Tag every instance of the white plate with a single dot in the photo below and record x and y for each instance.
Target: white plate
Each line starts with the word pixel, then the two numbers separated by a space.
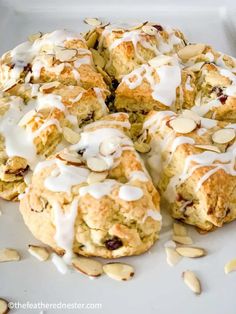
pixel 156 287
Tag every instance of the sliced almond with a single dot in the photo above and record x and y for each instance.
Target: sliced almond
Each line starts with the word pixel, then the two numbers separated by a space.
pixel 172 257
pixel 91 40
pixel 70 158
pixel 109 146
pixel 9 85
pixel 49 85
pixel 4 309
pixel 209 147
pixel 94 177
pixel 223 136
pixel 97 58
pixel 191 115
pixel 87 266
pixel 191 51
pixel 34 37
pixel 182 240
pixel 119 271
pixel 179 230
pixel 9 255
pixel 142 147
pixel 93 21
pixel 196 67
pixel 160 60
pixel 192 281
pixel 183 125
pixel 190 251
pixel 41 253
pixel 106 77
pixel 149 30
pixel 70 136
pixel 138 26
pixel 97 164
pixel 63 54
pixel 27 118
pixel 230 266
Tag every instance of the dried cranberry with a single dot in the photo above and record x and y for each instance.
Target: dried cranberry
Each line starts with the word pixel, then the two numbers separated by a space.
pixel 218 91
pixel 158 27
pixel 113 244
pixel 223 99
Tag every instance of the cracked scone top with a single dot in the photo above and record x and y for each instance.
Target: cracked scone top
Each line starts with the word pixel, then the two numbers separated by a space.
pixel 58 56
pixel 95 198
pixel 196 158
pixel 125 48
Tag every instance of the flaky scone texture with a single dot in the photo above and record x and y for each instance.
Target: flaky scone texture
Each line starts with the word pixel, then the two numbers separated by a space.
pixel 113 205
pixel 196 169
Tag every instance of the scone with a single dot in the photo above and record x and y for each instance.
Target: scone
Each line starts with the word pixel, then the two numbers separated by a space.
pixel 192 161
pixel 58 56
pixel 94 198
pixel 160 84
pixel 124 48
pixel 215 93
pixel 35 121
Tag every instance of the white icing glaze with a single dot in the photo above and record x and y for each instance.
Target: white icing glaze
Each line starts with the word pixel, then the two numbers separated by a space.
pixel 66 177
pixel 99 189
pixel 138 175
pixel 155 215
pixel 59 263
pixel 130 193
pixel 64 223
pixel 188 84
pixel 204 108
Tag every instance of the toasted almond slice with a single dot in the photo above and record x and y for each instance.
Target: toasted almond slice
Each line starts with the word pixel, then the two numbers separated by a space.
pixel 87 266
pixel 179 230
pixel 4 309
pixel 27 118
pixel 109 146
pixel 183 125
pixel 34 37
pixel 170 244
pixel 172 257
pixel 106 77
pixel 209 147
pixel 91 40
pixel 41 253
pixel 149 30
pixel 190 251
pixel 49 85
pixel 92 21
pixel 138 26
pixel 230 266
pixel 192 281
pixel 160 60
pixel 142 147
pixel 196 67
pixel 63 54
pixel 97 58
pixel 9 255
pixel 191 115
pixel 10 84
pixel 119 271
pixel 191 51
pixel 97 164
pixel 70 158
pixel 182 240
pixel 70 136
pixel 223 136
pixel 94 177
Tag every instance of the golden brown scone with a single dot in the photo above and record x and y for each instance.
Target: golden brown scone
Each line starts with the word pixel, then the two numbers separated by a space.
pixel 58 56
pixel 192 161
pixel 125 49
pixel 35 121
pixel 94 198
pixel 160 84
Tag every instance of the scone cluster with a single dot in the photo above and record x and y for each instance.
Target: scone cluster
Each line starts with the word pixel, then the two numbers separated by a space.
pixel 94 126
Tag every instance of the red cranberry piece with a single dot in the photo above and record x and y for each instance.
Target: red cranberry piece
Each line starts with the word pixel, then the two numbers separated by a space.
pixel 223 99
pixel 113 244
pixel 158 27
